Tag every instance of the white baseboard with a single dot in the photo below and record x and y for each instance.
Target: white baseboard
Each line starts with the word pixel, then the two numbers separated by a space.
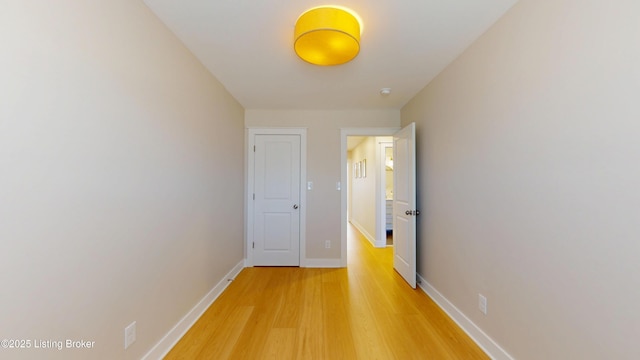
pixel 368 236
pixel 483 340
pixel 322 263
pixel 177 332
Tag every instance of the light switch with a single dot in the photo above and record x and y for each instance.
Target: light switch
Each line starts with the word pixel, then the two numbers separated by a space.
pixel 338 186
pixel 310 185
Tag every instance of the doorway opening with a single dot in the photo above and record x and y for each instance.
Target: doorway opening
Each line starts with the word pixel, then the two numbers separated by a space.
pixel 404 199
pixel 360 169
pixel 370 187
pixel 387 185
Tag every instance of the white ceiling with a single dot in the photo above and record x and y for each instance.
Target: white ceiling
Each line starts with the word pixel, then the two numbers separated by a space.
pixel 248 46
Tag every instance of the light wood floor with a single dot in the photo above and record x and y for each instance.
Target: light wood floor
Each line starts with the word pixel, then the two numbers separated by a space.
pixel 364 311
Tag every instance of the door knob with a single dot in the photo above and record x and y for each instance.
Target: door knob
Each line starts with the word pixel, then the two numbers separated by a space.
pixel 408 212
pixel 295 206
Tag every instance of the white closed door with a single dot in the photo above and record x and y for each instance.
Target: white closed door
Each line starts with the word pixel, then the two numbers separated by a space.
pixel 276 231
pixel 404 204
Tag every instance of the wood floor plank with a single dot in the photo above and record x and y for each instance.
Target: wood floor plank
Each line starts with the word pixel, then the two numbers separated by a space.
pixel 254 336
pixel 281 344
pixel 293 299
pixel 368 336
pixel 310 343
pixel 364 311
pixel 224 338
pixel 338 339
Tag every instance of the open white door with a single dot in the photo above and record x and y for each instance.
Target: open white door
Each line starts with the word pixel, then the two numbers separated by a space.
pixel 404 203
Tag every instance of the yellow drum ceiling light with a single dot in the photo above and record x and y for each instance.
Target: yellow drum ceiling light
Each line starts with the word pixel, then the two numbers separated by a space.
pixel 327 35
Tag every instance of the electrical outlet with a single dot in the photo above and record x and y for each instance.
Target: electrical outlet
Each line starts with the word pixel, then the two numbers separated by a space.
pixel 482 303
pixel 327 244
pixel 129 335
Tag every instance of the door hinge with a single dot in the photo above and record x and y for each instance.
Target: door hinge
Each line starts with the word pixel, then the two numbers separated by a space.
pixel 254 196
pixel 253 245
pixel 254 148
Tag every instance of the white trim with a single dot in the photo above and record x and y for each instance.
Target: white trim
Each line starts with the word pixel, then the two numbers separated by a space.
pixel 246 199
pixel 475 333
pixel 249 205
pixel 250 140
pixel 343 177
pixel 374 242
pixel 177 332
pixel 323 263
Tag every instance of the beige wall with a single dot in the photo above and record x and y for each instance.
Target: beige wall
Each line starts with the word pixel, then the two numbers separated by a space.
pixel 528 157
pixel 323 164
pixel 120 177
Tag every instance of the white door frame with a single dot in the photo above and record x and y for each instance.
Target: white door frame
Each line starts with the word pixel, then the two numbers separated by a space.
pixel 343 178
pixel 249 171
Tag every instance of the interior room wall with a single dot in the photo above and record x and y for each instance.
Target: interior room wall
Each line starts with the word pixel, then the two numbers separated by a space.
pixel 323 164
pixel 121 162
pixel 363 190
pixel 528 180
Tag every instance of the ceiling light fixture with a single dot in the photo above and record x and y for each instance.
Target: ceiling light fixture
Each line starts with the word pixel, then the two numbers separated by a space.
pixel 327 35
